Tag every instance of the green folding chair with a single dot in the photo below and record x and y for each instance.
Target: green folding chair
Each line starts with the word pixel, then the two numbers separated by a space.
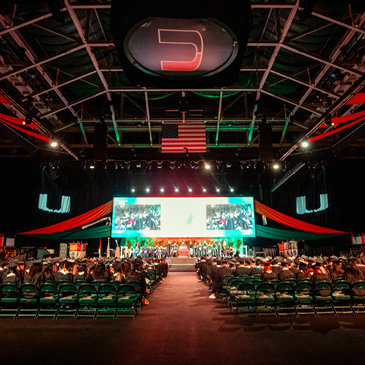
pixel 87 301
pixel 322 296
pixel 28 301
pixel 341 297
pixel 126 301
pixel 358 297
pixel 265 299
pixel 284 299
pixel 304 298
pixel 107 300
pixel 48 300
pixel 244 299
pixel 9 300
pixel 67 300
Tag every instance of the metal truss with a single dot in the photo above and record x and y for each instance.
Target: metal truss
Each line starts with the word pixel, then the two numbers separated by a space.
pixel 82 43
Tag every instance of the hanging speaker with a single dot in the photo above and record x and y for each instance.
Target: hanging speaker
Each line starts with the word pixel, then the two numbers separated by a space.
pixel 195 43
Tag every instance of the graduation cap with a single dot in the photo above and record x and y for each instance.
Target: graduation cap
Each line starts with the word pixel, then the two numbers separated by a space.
pixel 12 264
pixel 91 265
pixel 117 266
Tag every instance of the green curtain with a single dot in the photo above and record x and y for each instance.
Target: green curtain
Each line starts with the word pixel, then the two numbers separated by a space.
pixel 283 234
pixel 80 234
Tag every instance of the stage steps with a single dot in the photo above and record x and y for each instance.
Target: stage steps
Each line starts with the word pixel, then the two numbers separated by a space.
pixel 181 264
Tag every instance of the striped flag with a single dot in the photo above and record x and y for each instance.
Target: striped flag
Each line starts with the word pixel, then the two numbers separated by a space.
pixel 100 248
pixel 108 248
pixel 184 137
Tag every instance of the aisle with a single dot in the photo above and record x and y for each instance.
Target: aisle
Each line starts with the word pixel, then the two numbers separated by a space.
pixel 182 326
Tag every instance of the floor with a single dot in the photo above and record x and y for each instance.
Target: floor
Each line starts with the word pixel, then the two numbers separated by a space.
pixel 182 326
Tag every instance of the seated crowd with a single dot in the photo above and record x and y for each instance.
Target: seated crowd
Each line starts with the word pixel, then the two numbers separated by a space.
pixel 317 269
pixel 102 270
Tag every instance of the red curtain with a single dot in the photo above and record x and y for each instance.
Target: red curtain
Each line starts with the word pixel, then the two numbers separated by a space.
pixel 78 221
pixel 289 221
pixel 359 98
pixel 345 118
pixel 323 135
pixel 16 120
pixel 35 135
pixel 4 100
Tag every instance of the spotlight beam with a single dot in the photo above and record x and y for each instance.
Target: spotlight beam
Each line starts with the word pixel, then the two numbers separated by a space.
pixel 287 176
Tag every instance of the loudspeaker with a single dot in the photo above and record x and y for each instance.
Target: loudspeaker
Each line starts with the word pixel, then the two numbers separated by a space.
pixel 265 141
pixel 101 142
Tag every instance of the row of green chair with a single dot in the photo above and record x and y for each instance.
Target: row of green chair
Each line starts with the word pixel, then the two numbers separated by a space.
pixel 70 300
pixel 301 298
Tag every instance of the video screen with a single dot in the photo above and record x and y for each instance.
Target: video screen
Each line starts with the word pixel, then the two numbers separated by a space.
pixel 229 217
pixel 183 217
pixel 137 217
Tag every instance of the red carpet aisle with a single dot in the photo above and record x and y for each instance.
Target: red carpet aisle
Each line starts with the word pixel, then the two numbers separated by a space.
pixel 183 326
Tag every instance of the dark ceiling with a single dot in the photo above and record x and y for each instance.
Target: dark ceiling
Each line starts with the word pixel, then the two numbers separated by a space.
pixel 64 71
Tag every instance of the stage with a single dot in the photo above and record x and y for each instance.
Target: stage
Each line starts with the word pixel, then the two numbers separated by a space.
pixel 181 264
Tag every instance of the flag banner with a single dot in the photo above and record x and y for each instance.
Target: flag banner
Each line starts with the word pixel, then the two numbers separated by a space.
pixel 184 138
pixel 3 100
pixel 359 98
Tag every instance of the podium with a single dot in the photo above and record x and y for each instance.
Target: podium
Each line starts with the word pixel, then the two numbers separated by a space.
pixel 183 251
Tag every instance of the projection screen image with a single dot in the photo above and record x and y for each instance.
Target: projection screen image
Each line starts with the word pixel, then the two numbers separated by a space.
pixel 182 217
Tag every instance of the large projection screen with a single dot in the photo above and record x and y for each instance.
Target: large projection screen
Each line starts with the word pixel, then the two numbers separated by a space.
pixel 183 217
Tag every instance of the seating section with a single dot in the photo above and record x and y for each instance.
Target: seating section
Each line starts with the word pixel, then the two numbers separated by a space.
pixel 248 295
pixel 94 300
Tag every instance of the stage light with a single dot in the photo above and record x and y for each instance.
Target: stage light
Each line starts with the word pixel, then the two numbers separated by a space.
pixel 231 190
pixel 54 143
pixel 305 144
pixel 162 190
pixel 276 166
pixel 190 190
pixel 92 166
pixel 217 190
pixel 133 190
pixel 148 190
pixel 207 166
pixel 204 190
pixel 176 190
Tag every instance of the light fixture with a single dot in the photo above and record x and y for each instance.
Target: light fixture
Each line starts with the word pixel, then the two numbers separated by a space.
pixel 231 190
pixel 276 166
pixel 207 166
pixel 54 143
pixel 162 190
pixel 176 190
pixel 217 190
pixel 305 144
pixel 133 190
pixel 148 190
pixel 190 190
pixel 204 190
pixel 92 166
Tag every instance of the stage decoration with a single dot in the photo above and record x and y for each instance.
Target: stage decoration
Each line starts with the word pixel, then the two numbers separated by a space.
pixel 75 222
pixel 77 250
pixel 326 134
pixel 291 222
pixel 285 234
pixel 66 230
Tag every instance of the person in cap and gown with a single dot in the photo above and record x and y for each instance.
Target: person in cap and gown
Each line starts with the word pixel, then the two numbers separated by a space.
pixel 218 282
pixel 34 274
pixel 64 272
pixel 12 275
pixel 285 273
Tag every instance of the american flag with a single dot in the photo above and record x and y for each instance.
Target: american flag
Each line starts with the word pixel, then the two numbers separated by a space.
pixel 184 137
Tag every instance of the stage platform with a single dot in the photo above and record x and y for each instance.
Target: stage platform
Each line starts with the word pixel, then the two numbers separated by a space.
pixel 181 264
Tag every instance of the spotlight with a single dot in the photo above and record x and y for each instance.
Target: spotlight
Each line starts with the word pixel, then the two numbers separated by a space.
pixel 92 166
pixel 133 190
pixel 305 144
pixel 207 166
pixel 54 143
pixel 217 190
pixel 190 190
pixel 148 190
pixel 231 190
pixel 162 190
pixel 204 190
pixel 176 190
pixel 276 166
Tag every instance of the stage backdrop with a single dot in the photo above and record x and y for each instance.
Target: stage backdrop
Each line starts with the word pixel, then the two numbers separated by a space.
pixel 181 217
